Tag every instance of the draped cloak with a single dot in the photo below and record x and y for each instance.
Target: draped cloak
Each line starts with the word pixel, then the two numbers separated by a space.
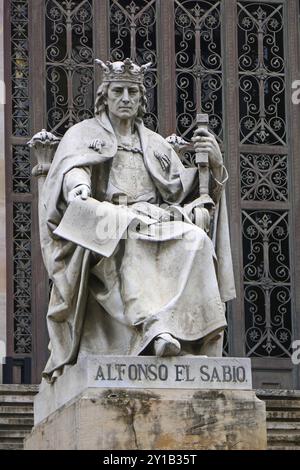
pixel 153 284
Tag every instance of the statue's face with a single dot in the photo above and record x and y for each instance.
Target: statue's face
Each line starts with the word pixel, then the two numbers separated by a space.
pixel 123 99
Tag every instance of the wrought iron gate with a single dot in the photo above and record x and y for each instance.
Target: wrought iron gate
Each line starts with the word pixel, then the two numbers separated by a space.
pixel 233 59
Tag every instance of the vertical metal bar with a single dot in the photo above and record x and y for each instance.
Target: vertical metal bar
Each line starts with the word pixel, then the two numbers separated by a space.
pixel 266 262
pixel 232 161
pixel 132 38
pixel 100 35
pixel 40 287
pixel 166 67
pixel 70 72
pixel 8 185
pixel 293 120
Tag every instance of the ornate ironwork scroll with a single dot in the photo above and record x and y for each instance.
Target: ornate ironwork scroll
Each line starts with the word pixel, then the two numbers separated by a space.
pixel 22 277
pixel 264 177
pixel 21 169
pixel 267 283
pixel 133 34
pixel 261 70
pixel 20 68
pixel 69 63
pixel 198 64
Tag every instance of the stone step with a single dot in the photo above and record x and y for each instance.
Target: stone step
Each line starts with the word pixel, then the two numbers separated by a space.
pixel 265 394
pixel 19 389
pixel 16 414
pixel 282 405
pixel 282 447
pixel 281 415
pixel 16 399
pixel 16 409
pixel 283 418
pixel 293 425
pixel 16 421
pixel 284 439
pixel 13 434
pixel 11 445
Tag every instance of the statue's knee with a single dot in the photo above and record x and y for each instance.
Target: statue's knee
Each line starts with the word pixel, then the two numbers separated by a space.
pixel 195 238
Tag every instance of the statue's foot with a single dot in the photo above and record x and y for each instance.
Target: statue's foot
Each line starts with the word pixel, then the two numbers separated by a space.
pixel 166 345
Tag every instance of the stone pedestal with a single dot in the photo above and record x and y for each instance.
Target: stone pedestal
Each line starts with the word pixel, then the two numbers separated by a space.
pixel 83 411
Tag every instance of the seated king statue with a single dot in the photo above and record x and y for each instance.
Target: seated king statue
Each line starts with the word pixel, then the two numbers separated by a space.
pixel 161 290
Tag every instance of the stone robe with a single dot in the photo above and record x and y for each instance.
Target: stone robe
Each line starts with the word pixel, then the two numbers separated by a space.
pixel 169 278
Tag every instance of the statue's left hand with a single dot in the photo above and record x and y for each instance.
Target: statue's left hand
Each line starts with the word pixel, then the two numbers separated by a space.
pixel 204 141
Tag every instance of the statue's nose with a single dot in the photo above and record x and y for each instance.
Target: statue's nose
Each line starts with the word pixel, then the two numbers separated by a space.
pixel 125 97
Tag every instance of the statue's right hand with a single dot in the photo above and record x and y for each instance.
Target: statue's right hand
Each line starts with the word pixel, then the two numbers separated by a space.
pixel 82 191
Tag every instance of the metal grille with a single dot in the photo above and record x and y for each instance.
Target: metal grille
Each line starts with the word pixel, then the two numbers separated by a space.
pixel 264 177
pixel 261 71
pixel 133 34
pixel 69 63
pixel 20 68
pixel 267 283
pixel 19 225
pixel 22 277
pixel 252 129
pixel 198 64
pixel 21 169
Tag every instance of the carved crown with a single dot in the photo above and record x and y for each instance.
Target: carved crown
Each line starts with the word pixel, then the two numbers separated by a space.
pixel 126 71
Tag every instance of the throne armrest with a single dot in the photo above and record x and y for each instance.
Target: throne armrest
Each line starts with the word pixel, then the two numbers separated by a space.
pixel 44 145
pixel 179 144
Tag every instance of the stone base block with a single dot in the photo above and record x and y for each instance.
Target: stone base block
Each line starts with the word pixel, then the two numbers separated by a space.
pixel 143 373
pixel 130 419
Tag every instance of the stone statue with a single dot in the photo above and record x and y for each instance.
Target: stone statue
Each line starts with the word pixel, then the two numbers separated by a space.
pixel 162 290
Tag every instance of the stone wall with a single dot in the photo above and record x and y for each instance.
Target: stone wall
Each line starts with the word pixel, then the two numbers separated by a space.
pixel 2 200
